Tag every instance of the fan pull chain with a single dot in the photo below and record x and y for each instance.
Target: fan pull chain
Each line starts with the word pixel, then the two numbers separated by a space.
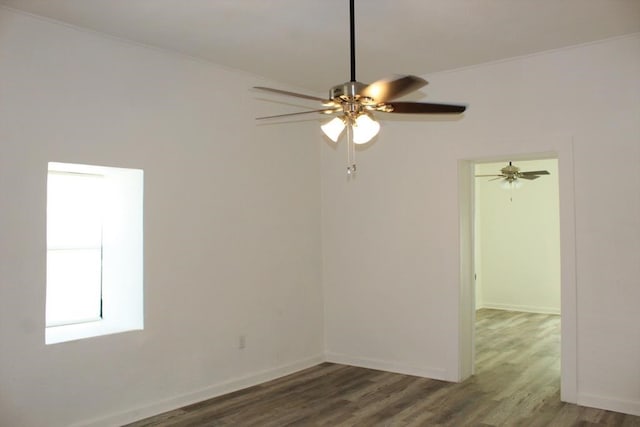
pixel 351 152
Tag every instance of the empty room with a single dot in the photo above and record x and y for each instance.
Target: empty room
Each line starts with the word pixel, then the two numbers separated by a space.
pixel 262 213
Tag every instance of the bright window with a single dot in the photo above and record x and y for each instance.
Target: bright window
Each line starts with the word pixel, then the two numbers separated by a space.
pixel 94 251
pixel 74 247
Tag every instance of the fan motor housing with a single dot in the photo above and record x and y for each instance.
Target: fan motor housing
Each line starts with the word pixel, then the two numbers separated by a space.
pixel 510 170
pixel 348 91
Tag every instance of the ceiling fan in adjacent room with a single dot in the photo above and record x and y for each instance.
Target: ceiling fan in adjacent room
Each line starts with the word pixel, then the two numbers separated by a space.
pixel 511 175
pixel 354 103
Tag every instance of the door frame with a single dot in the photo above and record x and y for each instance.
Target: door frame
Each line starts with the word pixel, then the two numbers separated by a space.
pixel 561 148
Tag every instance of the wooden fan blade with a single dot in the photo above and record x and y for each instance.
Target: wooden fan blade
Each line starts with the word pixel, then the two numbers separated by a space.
pixel 535 173
pixel 324 111
pixel 529 177
pixel 285 92
pixel 424 108
pixel 488 175
pixel 499 176
pixel 392 87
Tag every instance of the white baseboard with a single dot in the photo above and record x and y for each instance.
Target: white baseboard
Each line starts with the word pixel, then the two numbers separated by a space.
pixel 382 365
pixel 610 404
pixel 522 308
pixel 214 390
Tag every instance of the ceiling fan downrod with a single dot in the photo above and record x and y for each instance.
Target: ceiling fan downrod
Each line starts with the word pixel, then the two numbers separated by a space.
pixel 352 33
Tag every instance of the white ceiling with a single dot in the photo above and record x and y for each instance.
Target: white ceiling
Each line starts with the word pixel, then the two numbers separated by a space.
pixel 305 43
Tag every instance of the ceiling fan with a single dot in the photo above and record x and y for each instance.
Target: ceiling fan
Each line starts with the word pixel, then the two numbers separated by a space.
pixel 354 102
pixel 510 175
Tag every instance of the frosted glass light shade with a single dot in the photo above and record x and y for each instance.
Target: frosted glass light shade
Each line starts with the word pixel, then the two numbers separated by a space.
pixel 508 185
pixel 364 129
pixel 333 128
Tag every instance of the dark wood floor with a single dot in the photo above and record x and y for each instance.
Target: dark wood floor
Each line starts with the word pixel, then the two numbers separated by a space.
pixel 516 384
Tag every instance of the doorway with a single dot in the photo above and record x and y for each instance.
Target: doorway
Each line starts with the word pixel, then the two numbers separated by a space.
pixel 562 152
pixel 517 278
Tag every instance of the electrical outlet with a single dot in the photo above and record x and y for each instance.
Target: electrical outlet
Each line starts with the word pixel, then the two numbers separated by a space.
pixel 242 342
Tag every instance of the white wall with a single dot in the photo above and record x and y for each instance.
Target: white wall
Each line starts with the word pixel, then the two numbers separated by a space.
pixel 391 237
pixel 232 226
pixel 518 235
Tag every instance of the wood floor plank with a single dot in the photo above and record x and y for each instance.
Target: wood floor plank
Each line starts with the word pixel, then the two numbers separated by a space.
pixel 517 383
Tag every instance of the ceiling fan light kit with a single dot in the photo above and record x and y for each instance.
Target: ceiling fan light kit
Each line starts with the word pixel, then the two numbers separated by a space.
pixel 354 103
pixel 365 128
pixel 511 185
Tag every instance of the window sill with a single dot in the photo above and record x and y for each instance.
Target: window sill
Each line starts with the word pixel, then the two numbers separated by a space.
pixel 64 333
